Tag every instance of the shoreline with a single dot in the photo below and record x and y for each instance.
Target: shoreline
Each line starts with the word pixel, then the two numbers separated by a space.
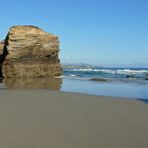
pixel 44 118
pixel 118 89
pixel 71 93
pixel 144 100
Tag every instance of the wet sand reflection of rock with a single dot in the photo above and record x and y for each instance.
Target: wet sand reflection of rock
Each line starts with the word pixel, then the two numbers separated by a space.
pixel 33 83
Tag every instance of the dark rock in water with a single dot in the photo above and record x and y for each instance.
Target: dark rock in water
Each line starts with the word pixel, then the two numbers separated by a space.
pixel 129 76
pixel 30 52
pixel 99 79
pixel 146 76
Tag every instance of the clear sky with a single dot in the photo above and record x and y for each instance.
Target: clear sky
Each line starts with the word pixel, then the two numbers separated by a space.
pixel 90 31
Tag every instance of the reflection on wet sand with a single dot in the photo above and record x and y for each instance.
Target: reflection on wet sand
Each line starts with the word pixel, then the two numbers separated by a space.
pixel 33 83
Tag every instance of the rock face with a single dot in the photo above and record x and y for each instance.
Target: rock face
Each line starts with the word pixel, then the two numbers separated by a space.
pixel 1 57
pixel 30 52
pixel 1 48
pixel 33 83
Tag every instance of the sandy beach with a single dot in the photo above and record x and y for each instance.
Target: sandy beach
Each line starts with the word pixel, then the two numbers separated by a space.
pixel 42 118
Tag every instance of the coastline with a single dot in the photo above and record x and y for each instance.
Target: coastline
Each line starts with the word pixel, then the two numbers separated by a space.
pixel 133 90
pixel 43 118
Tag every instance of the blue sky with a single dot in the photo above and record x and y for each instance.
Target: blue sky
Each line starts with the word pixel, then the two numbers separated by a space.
pixel 103 32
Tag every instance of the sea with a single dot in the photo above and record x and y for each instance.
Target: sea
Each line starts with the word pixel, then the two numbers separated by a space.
pixel 119 82
pixel 127 83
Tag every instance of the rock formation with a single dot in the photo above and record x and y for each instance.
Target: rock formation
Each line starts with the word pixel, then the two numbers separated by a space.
pixel 1 47
pixel 30 52
pixel 1 57
pixel 33 83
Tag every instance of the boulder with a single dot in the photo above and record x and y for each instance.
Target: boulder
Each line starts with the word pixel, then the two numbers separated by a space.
pixel 30 52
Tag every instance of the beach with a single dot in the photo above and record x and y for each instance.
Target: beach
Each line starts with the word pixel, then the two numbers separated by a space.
pixel 74 74
pixel 44 118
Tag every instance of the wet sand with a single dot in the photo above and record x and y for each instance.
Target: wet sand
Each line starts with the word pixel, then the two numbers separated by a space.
pixel 42 118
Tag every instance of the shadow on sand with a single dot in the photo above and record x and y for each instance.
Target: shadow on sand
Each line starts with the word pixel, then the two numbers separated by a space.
pixel 144 100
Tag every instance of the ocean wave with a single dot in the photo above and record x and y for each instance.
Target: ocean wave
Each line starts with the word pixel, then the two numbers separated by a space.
pixel 113 71
pixel 70 76
pixel 132 72
pixel 96 70
pixel 83 69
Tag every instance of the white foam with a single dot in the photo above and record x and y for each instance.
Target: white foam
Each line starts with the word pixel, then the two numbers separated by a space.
pixel 131 72
pixel 73 75
pixel 81 69
pixel 96 70
pixel 114 71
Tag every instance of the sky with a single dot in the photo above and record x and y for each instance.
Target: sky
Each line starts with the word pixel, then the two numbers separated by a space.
pixel 100 32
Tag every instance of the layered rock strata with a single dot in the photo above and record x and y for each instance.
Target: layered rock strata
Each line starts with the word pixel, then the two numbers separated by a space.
pixel 1 56
pixel 30 52
pixel 33 83
pixel 1 47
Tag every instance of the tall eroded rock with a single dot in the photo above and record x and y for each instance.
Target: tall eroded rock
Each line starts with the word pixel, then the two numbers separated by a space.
pixel 1 47
pixel 30 52
pixel 1 57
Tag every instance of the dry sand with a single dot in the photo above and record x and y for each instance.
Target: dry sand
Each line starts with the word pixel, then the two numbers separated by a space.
pixel 51 119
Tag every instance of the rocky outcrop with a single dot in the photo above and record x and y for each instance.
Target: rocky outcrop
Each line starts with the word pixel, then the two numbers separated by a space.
pixel 30 52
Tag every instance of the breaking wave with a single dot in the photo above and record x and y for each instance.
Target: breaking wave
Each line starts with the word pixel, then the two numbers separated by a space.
pixel 103 74
pixel 112 71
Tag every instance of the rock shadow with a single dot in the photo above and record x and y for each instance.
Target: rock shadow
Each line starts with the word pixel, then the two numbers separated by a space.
pixel 4 54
